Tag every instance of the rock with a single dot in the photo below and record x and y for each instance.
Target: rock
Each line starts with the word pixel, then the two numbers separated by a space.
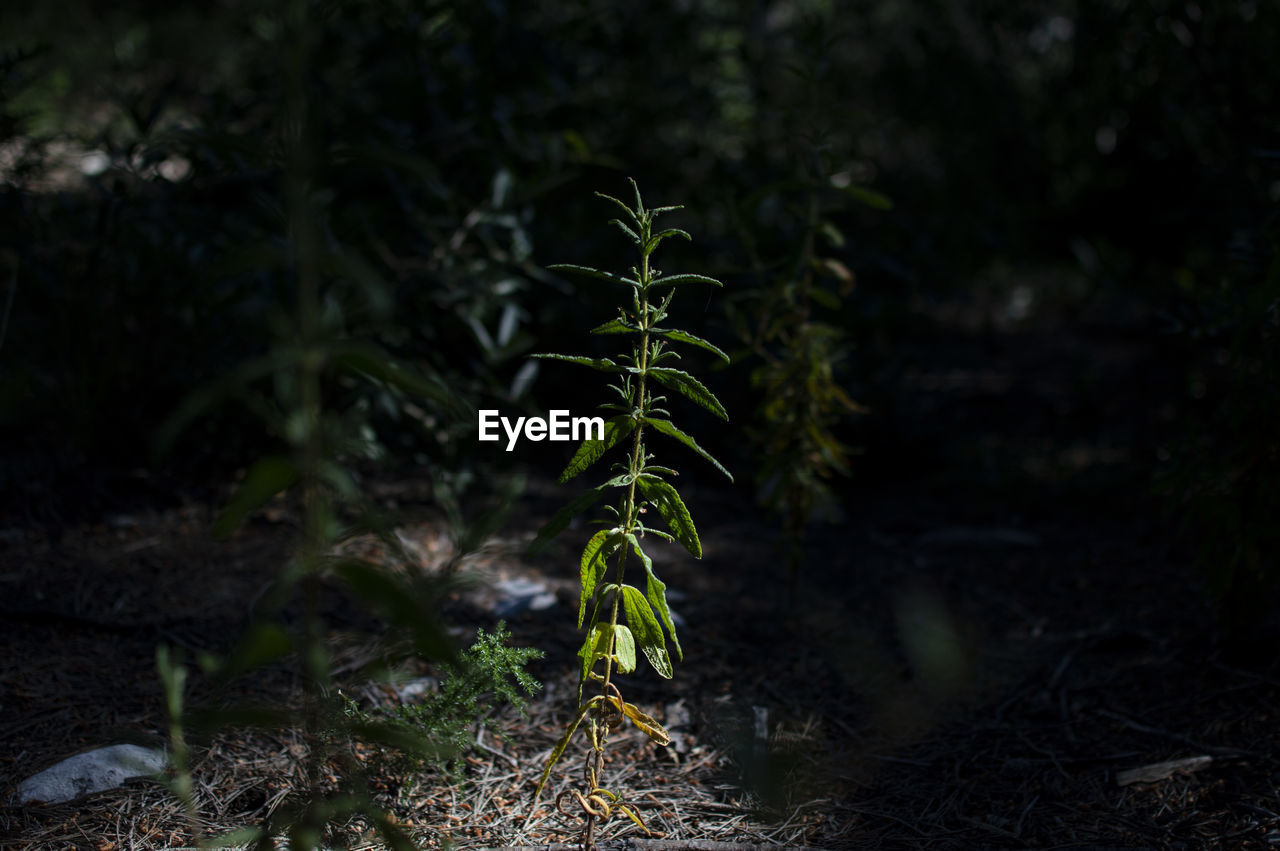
pixel 520 595
pixel 93 771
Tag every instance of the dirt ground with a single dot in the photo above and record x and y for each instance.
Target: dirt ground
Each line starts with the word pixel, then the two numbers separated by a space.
pixel 998 630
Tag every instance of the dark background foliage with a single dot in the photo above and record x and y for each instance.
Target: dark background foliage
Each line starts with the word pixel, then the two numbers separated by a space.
pixel 1103 169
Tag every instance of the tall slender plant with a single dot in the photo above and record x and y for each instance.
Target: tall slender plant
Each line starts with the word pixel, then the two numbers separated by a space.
pixel 620 618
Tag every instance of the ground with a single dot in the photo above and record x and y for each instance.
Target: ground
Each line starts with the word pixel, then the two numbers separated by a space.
pixel 997 627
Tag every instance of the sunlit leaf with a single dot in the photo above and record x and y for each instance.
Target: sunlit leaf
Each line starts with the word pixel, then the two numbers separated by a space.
pixel 594 646
pixel 628 231
pixel 690 387
pixel 635 817
pixel 670 430
pixel 687 278
pixel 672 508
pixel 648 634
pixel 656 593
pixel 685 337
pixel 624 649
pixel 630 213
pixel 615 429
pixel 656 239
pixel 600 364
pixel 648 725
pixel 592 565
pixel 594 273
pixel 616 326
pixel 563 743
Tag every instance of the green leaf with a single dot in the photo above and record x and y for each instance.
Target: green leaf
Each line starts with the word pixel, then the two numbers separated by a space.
pixel 683 279
pixel 564 743
pixel 647 632
pixel 592 565
pixel 639 204
pixel 615 326
pixel 624 649
pixel 685 337
pixel 653 241
pixel 688 386
pixel 595 646
pixel 630 212
pixel 601 364
pixel 594 273
pixel 873 199
pixel 561 518
pixel 667 500
pixel 669 429
pixel 634 816
pixel 268 477
pixel 656 593
pixel 628 231
pixel 615 429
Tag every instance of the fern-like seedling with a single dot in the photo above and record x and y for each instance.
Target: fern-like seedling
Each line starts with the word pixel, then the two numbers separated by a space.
pixel 626 619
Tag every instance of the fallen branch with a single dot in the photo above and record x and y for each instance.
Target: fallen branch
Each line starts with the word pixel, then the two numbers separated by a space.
pixel 1158 771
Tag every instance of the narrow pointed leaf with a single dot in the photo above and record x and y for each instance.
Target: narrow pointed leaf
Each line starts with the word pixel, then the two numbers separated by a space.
pixel 667 500
pixel 615 429
pixel 592 565
pixel 656 594
pixel 561 518
pixel 600 364
pixel 628 231
pixel 594 273
pixel 685 337
pixel 635 817
pixel 563 743
pixel 630 212
pixel 615 326
pixel 653 241
pixel 687 278
pixel 690 387
pixel 669 429
pixel 648 635
pixel 595 646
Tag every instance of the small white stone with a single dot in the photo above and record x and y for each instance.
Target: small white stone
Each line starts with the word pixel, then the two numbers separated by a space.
pixel 90 772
